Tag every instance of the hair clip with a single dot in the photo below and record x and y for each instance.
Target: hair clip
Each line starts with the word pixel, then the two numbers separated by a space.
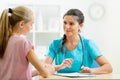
pixel 10 10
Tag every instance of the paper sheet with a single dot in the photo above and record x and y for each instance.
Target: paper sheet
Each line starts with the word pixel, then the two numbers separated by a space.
pixel 76 74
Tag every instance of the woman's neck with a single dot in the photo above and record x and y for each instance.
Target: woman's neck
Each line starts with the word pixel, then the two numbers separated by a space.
pixel 73 39
pixel 72 42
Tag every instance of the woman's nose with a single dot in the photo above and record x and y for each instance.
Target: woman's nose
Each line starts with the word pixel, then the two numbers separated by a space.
pixel 67 26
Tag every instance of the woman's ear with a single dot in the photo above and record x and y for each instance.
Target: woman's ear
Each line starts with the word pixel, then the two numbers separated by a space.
pixel 21 24
pixel 80 26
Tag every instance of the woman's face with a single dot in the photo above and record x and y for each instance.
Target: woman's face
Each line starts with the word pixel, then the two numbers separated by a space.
pixel 71 25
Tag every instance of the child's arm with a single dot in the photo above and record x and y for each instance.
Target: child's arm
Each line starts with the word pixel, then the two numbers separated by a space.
pixel 41 68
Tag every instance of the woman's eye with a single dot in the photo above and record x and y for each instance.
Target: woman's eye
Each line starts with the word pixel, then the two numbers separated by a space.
pixel 71 23
pixel 65 23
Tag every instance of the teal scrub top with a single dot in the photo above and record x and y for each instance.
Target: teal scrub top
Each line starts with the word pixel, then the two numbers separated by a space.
pixel 91 52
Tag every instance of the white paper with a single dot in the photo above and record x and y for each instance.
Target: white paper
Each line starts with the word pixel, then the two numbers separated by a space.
pixel 76 74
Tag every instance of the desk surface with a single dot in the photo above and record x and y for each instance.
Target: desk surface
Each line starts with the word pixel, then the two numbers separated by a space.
pixel 101 76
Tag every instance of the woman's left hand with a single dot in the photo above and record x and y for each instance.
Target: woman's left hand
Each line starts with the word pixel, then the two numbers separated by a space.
pixel 86 70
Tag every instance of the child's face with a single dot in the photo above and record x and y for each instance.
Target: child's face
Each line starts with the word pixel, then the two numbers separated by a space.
pixel 27 26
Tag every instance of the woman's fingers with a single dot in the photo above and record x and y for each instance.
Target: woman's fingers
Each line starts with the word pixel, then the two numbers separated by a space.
pixel 85 69
pixel 67 62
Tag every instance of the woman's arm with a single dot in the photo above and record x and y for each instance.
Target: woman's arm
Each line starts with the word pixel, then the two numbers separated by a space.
pixel 49 60
pixel 41 68
pixel 66 63
pixel 105 67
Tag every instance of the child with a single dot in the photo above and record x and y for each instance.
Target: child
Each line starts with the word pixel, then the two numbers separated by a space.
pixel 16 52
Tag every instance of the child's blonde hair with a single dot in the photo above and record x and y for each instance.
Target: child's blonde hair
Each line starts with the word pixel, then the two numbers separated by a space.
pixel 9 18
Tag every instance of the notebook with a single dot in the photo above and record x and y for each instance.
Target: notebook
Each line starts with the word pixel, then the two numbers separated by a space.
pixel 76 74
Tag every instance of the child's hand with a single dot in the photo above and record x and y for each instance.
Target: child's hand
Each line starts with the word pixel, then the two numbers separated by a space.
pixel 50 68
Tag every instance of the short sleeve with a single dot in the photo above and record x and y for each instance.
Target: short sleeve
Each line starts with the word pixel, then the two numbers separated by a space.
pixel 51 51
pixel 93 49
pixel 27 46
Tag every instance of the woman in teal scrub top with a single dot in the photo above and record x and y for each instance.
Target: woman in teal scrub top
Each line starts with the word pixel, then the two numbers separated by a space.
pixel 73 52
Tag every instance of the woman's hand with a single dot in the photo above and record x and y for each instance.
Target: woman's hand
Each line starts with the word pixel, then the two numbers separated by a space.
pixel 66 63
pixel 86 69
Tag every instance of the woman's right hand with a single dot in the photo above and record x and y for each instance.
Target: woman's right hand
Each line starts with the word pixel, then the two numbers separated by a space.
pixel 66 63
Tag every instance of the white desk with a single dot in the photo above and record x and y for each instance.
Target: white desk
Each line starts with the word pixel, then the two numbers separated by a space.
pixel 97 77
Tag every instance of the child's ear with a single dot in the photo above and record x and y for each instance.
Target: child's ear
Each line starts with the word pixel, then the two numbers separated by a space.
pixel 21 24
